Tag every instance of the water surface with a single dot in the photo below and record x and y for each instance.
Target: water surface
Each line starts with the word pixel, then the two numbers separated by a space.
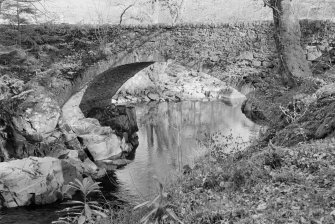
pixel 170 135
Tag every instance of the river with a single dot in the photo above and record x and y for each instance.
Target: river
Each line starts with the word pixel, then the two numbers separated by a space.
pixel 170 136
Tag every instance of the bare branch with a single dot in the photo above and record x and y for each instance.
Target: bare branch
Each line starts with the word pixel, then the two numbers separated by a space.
pixel 124 12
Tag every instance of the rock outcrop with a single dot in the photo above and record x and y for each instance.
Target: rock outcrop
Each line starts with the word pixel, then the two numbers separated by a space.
pixel 107 134
pixel 29 117
pixel 39 115
pixel 34 180
pixel 52 147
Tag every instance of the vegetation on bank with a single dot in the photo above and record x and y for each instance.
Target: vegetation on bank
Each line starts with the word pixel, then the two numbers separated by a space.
pixel 262 184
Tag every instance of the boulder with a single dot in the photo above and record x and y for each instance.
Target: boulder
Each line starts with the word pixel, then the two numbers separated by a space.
pixel 120 118
pixel 38 116
pixel 103 142
pixel 34 180
pixel 90 126
pixel 102 147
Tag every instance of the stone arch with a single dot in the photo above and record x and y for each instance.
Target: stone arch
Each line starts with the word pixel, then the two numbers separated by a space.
pixel 102 86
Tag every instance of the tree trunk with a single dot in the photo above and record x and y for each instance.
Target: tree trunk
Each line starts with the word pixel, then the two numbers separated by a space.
pixel 18 22
pixel 124 12
pixel 179 8
pixel 1 1
pixel 293 62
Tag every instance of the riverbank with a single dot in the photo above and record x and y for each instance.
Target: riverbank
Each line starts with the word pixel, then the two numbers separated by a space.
pixel 263 184
pixel 286 176
pixel 260 185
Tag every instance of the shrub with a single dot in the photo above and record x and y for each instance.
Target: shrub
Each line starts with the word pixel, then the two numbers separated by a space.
pixel 160 210
pixel 85 211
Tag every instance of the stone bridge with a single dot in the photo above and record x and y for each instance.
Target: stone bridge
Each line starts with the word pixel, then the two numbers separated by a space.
pixel 104 85
pixel 224 51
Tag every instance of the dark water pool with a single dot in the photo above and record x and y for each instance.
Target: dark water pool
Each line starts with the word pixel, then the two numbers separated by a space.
pixel 32 215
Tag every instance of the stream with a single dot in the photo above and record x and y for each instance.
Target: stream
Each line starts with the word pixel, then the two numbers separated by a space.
pixel 170 136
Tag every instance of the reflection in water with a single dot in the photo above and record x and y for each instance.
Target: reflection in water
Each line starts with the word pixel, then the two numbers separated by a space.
pixel 169 135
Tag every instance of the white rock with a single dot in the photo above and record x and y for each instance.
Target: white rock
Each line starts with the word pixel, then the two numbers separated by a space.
pixel 33 179
pixel 89 126
pixel 102 147
pixel 40 120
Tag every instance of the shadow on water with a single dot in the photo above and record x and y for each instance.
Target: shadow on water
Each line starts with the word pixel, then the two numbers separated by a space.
pixel 30 215
pixel 169 138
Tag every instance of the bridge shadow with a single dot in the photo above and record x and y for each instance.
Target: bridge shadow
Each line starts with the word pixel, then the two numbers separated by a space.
pixel 105 85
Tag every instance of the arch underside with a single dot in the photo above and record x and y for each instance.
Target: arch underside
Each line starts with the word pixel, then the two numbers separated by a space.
pixel 105 85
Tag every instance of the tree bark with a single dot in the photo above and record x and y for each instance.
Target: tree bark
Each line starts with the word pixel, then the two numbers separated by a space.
pixel 293 62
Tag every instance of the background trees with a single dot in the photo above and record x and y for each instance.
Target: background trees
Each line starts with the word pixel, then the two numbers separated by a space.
pixel 18 13
pixel 151 11
pixel 175 8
